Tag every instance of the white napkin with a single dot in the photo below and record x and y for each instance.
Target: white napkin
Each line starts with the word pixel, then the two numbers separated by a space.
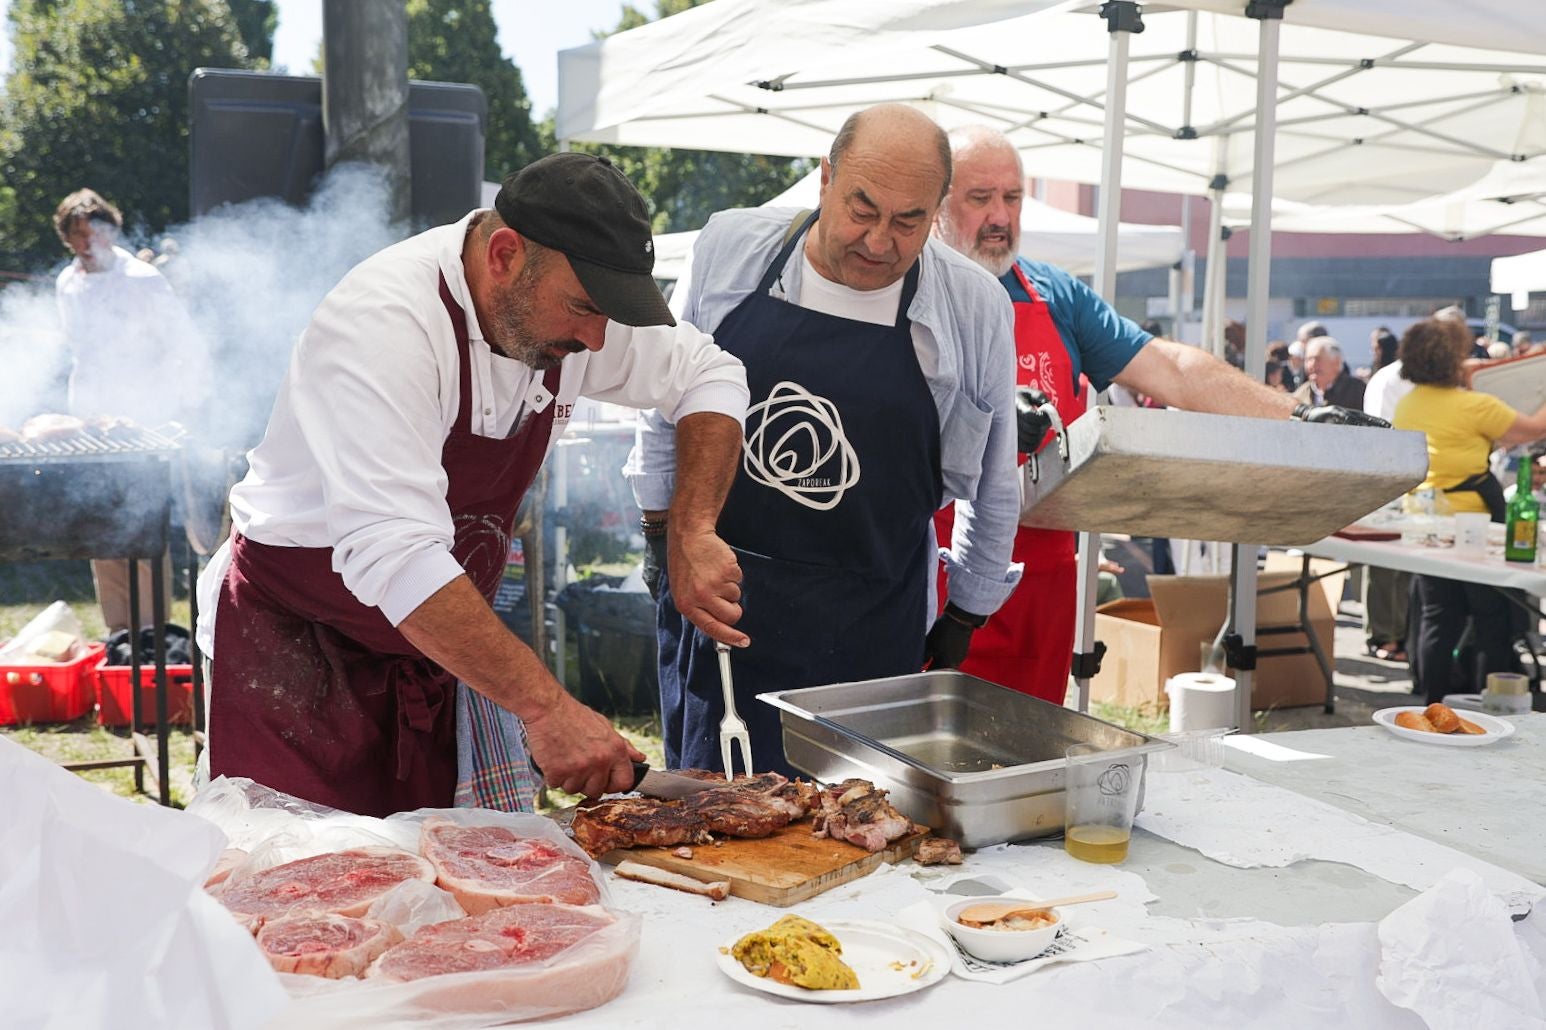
pixel 1072 944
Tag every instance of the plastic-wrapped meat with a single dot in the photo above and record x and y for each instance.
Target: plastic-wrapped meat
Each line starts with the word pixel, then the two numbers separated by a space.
pixel 504 937
pixel 343 882
pixel 636 822
pixel 324 944
pixel 487 867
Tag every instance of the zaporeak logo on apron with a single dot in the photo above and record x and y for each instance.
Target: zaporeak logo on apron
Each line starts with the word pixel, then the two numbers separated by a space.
pixel 795 444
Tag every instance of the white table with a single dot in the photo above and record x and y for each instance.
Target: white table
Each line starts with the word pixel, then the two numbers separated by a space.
pixel 1480 800
pixel 1431 561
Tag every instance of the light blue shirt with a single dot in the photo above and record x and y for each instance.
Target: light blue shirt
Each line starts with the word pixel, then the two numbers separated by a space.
pixel 963 331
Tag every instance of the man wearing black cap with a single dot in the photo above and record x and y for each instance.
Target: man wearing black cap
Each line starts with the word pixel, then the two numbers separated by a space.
pixel 375 520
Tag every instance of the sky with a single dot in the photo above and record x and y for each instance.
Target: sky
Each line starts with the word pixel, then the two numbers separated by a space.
pixel 531 33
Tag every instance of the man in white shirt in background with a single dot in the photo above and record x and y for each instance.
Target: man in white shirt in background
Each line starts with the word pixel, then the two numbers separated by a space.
pixel 374 524
pixel 134 354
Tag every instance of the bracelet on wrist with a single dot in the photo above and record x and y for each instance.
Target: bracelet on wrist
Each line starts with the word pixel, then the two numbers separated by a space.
pixel 965 617
pixel 653 529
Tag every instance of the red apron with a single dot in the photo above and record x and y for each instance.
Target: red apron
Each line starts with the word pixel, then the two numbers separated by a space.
pixel 1028 644
pixel 318 695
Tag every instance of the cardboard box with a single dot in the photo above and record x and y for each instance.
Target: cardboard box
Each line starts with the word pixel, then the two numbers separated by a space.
pixel 1148 640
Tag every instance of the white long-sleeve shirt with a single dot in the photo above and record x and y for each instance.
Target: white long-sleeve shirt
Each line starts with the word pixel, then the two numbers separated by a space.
pixel 134 351
pixel 351 457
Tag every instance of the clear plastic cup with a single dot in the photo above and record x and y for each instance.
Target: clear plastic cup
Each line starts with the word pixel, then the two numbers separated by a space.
pixel 1100 796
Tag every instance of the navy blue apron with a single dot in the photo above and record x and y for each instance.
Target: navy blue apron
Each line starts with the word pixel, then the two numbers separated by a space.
pixel 829 515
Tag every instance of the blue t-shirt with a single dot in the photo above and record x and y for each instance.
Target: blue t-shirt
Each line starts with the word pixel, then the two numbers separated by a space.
pixel 1100 342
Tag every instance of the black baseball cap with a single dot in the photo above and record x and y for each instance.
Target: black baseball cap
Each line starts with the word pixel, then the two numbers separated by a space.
pixel 583 207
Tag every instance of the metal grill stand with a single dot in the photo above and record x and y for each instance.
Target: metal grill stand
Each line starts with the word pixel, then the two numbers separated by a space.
pixel 91 496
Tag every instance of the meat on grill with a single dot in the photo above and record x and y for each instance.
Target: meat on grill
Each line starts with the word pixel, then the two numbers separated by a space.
pixel 505 937
pixel 486 867
pixel 42 428
pixel 324 944
pixel 858 812
pixel 636 822
pixel 735 812
pixel 342 882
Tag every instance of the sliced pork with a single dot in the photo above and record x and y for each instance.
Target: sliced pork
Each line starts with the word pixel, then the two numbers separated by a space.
pixel 938 851
pixel 734 812
pixel 499 939
pixel 324 944
pixel 342 882
pixel 858 812
pixel 636 822
pixel 488 867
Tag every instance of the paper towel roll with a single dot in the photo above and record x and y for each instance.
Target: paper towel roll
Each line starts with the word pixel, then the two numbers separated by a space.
pixel 1200 701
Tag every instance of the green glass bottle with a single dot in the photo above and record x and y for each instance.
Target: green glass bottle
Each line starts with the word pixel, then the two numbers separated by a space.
pixel 1523 518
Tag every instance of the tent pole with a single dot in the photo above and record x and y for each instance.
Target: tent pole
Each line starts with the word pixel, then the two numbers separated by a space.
pixel 1242 574
pixel 1122 19
pixel 1213 282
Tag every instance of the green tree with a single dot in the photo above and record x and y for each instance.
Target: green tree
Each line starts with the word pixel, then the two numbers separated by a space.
pixel 98 96
pixel 685 187
pixel 256 21
pixel 456 41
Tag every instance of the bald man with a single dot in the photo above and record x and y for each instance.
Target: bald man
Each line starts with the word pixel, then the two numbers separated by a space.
pixel 881 367
pixel 1067 340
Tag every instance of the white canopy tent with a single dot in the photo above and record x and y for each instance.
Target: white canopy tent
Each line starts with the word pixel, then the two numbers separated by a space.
pixel 1519 276
pixel 1047 233
pixel 1379 103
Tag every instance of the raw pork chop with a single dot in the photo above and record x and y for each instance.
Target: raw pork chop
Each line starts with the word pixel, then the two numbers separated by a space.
pixel 324 944
pixel 487 867
pixel 500 939
pixel 344 882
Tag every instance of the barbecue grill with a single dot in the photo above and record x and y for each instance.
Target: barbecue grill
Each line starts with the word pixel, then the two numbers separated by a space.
pixel 100 496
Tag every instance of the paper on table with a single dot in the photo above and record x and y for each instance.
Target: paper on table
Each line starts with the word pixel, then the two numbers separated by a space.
pixel 1242 822
pixel 1073 944
pixel 1452 955
pixel 105 922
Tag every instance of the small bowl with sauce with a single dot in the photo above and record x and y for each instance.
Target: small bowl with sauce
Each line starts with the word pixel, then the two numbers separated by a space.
pixel 1010 940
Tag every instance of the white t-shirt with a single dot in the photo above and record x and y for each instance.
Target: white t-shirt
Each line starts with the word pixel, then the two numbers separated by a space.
pixel 878 307
pixel 351 457
pixel 135 352
pixel 1385 390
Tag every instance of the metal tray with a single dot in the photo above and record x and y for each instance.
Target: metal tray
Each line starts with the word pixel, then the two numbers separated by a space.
pixel 1194 476
pixel 970 759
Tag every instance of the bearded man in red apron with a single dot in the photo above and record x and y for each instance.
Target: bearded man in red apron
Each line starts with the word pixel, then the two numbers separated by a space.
pixel 1067 341
pixel 373 526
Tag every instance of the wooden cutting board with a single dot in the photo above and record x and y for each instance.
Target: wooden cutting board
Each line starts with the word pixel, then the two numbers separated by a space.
pixel 780 870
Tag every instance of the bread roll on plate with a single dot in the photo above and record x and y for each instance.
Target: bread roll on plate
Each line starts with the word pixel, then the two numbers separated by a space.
pixel 1414 721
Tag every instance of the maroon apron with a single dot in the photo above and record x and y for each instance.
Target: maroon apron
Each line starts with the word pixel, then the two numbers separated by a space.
pixel 318 695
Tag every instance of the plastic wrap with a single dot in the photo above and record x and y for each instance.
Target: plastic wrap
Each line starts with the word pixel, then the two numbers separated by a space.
pixel 274 828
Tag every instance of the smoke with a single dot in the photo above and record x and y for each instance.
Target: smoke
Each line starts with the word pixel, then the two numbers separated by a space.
pixel 251 274
pixel 248 274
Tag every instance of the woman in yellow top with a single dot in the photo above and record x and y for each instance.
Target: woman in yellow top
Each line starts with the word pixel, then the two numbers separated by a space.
pixel 1462 428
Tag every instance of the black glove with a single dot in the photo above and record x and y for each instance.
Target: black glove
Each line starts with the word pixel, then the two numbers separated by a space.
pixel 1030 420
pixel 654 564
pixel 945 646
pixel 1335 415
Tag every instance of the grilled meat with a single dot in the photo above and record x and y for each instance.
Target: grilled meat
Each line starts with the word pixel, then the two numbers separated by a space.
pixel 857 812
pixel 636 822
pixel 799 797
pixel 762 782
pixel 738 813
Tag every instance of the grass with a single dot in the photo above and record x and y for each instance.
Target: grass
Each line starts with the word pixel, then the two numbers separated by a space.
pixel 1143 719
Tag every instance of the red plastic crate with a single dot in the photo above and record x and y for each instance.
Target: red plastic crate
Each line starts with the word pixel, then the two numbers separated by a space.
pixel 51 691
pixel 114 699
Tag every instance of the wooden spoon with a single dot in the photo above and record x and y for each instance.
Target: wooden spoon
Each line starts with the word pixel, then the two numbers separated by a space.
pixel 998 911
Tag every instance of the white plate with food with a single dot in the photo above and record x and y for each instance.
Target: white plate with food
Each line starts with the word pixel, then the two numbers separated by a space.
pixel 1425 726
pixel 889 960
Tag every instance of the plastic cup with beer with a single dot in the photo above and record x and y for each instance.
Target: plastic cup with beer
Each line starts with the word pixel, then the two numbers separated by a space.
pixel 1100 796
